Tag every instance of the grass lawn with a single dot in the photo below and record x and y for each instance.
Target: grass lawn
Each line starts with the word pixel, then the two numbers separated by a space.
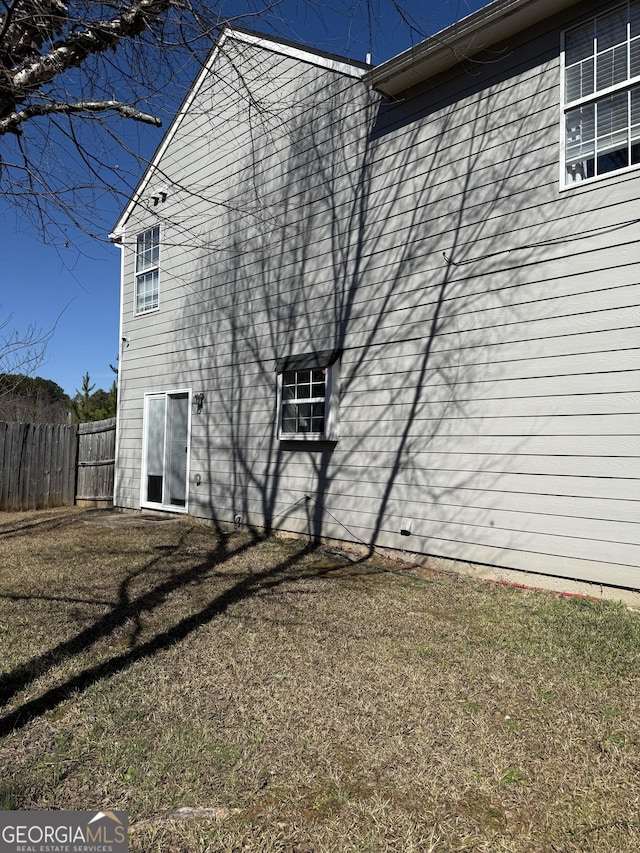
pixel 289 699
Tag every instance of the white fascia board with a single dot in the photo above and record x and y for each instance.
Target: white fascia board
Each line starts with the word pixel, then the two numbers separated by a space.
pixel 336 65
pixel 340 66
pixel 491 24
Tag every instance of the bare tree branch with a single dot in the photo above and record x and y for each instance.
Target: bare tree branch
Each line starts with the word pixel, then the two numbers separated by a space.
pixel 13 121
pixel 21 352
pixel 25 70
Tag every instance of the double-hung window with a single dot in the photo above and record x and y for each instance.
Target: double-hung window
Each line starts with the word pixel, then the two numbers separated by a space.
pixel 308 397
pixel 602 94
pixel 147 261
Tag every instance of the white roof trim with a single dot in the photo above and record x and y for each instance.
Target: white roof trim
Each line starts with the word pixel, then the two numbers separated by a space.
pixel 264 42
pixel 299 53
pixel 493 23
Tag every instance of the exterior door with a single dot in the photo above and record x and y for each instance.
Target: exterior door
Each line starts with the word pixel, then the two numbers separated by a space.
pixel 166 450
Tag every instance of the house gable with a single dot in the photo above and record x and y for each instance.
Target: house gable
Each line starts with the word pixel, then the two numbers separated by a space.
pixel 261 41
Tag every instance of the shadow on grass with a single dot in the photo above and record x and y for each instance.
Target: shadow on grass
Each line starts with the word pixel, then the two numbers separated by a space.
pixel 13 526
pixel 128 609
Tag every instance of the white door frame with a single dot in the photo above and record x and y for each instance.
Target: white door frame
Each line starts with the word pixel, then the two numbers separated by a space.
pixel 150 395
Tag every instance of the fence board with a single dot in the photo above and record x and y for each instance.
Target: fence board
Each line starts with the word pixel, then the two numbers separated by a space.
pixel 4 463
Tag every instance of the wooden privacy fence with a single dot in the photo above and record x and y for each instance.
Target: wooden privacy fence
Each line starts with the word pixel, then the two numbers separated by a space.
pixel 47 465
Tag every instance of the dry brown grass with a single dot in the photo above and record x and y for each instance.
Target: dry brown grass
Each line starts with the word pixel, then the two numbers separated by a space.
pixel 297 701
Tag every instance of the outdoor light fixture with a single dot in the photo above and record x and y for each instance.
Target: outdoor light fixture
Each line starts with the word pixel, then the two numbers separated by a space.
pixel 199 401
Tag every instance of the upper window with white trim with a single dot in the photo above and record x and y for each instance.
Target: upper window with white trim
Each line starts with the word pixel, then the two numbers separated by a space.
pixel 602 94
pixel 308 397
pixel 147 261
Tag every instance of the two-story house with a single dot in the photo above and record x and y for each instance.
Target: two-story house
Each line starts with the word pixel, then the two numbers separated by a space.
pixel 398 306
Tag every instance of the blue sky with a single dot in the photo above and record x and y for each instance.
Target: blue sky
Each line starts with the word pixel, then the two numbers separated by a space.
pixel 70 286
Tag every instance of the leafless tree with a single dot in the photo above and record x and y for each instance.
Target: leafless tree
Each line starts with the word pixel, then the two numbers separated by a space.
pixel 96 61
pixel 21 352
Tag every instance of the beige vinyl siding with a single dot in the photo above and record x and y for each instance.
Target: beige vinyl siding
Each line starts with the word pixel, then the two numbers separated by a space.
pixel 569 255
pixel 489 321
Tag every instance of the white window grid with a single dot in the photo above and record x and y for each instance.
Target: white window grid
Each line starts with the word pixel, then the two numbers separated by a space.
pixel 601 94
pixel 147 271
pixel 304 397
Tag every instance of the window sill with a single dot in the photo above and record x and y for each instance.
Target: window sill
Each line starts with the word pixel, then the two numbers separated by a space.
pixel 303 436
pixel 297 440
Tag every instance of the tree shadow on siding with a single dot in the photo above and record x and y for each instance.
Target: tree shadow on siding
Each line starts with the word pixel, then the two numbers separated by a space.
pixel 405 238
